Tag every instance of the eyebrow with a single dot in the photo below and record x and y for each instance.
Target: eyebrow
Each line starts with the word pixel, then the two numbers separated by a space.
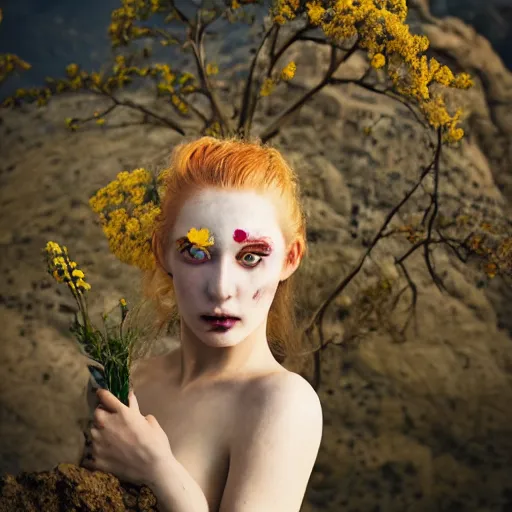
pixel 264 243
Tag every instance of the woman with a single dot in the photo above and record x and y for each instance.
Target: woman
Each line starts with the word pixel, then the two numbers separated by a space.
pixel 219 424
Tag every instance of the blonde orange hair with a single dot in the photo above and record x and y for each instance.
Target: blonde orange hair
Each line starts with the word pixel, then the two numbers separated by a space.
pixel 239 165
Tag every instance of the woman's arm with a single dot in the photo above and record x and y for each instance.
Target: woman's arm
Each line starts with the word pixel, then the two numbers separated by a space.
pixel 176 491
pixel 275 447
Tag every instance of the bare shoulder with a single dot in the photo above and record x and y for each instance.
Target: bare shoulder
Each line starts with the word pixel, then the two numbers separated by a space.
pixel 283 392
pixel 278 435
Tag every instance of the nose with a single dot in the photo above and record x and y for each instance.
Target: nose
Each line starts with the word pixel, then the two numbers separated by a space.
pixel 221 285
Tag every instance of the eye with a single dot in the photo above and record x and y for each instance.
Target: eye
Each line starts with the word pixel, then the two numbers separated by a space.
pixel 250 259
pixel 195 254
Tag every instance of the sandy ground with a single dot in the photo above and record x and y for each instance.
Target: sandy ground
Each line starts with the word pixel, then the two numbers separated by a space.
pixel 422 424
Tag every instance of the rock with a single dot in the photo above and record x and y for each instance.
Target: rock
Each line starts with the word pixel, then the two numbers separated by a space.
pixel 69 487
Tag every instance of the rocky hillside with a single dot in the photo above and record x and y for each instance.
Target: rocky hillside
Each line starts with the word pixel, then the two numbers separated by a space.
pixel 420 422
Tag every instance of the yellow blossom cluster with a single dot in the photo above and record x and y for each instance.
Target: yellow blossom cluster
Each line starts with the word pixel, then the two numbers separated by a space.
pixel 497 258
pixel 212 69
pixel 77 80
pixel 413 233
pixel 286 74
pixel 63 269
pixel 285 10
pixel 378 61
pixel 167 84
pixel 267 87
pixel 123 28
pixel 486 241
pixel 378 26
pixel 10 63
pixel 128 207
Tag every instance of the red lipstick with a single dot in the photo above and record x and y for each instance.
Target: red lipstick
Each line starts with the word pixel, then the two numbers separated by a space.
pixel 223 323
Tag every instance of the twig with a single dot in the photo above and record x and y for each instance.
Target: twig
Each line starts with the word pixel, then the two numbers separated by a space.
pixel 318 317
pixel 244 122
pixel 295 37
pixel 196 42
pixel 435 198
pixel 385 92
pixel 274 127
pixel 130 104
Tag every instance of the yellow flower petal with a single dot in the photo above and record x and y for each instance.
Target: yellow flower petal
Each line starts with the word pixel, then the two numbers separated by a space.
pixel 201 237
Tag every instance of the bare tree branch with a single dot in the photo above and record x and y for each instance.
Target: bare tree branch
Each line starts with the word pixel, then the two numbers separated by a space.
pixel 136 106
pixel 196 37
pixel 274 127
pixel 435 198
pixel 244 122
pixel 295 37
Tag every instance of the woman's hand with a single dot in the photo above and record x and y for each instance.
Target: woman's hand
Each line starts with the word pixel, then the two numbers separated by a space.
pixel 123 442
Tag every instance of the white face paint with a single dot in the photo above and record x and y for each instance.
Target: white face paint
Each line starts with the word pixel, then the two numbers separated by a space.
pixel 238 280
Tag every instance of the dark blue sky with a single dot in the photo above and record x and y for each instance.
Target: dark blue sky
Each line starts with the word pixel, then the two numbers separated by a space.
pixel 51 33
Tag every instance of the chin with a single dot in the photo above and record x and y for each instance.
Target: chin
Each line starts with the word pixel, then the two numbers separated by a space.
pixel 221 339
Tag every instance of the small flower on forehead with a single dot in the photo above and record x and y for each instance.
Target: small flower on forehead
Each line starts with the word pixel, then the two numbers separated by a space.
pixel 200 237
pixel 240 235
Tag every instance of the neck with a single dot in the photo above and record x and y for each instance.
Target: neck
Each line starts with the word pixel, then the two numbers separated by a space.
pixel 200 362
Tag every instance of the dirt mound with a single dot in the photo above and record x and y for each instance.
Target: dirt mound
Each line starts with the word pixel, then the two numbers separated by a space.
pixel 69 487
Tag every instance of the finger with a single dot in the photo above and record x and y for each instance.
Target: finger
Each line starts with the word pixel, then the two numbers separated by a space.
pixel 98 418
pixel 95 434
pixel 109 401
pixel 132 401
pixel 151 420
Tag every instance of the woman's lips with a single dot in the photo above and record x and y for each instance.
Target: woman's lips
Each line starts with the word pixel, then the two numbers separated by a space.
pixel 223 323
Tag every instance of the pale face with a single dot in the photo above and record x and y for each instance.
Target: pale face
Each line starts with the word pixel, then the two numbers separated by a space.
pixel 244 269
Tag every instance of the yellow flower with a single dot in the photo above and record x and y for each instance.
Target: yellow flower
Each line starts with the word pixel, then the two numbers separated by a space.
pixel 315 12
pixel 285 10
pixel 200 237
pixel 288 71
pixel 53 247
pixel 378 61
pixel 122 302
pixel 128 208
pixel 267 87
pixel 72 70
pixel 491 269
pixel 463 81
pixel 63 270
pixel 212 69
pixel 444 76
